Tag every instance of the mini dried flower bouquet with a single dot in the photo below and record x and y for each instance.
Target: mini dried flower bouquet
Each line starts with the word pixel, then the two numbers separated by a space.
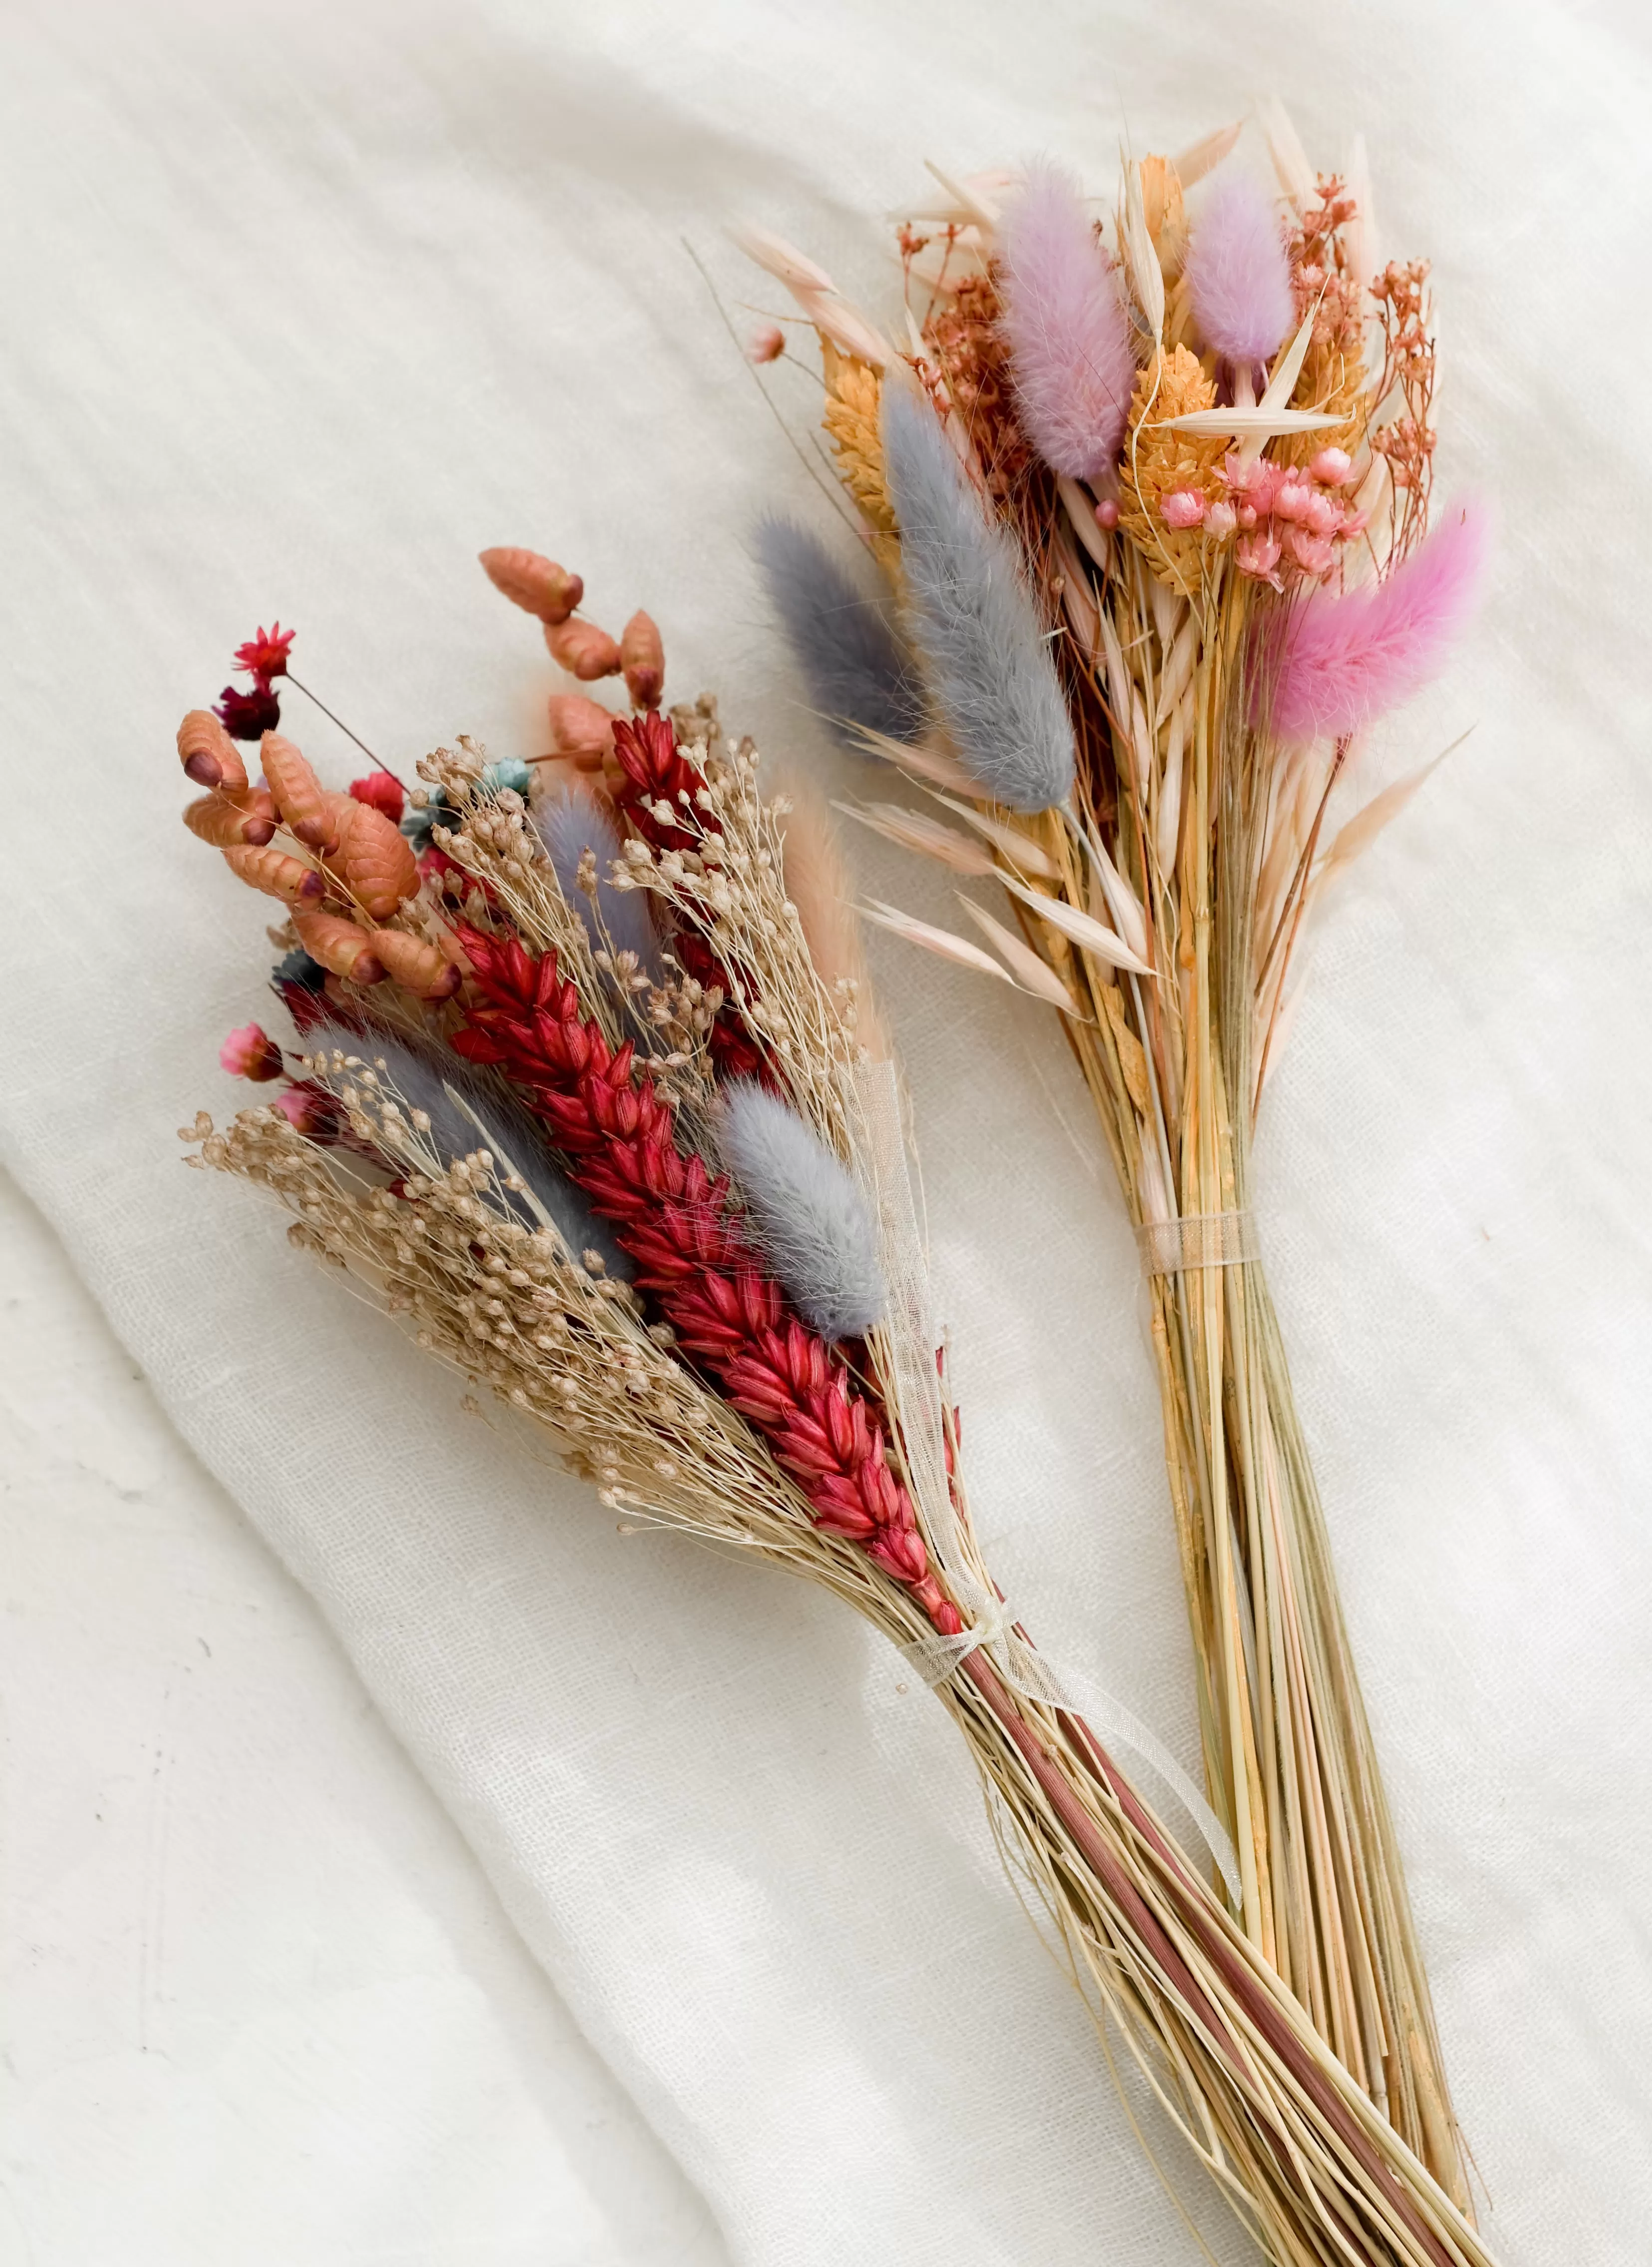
pixel 1151 494
pixel 588 1088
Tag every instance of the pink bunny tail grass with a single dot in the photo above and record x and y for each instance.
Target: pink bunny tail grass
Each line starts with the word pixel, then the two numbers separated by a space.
pixel 1239 276
pixel 1343 662
pixel 1070 338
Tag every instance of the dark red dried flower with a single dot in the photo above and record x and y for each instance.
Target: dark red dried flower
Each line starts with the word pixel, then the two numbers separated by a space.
pixel 265 655
pixel 657 771
pixel 383 791
pixel 248 716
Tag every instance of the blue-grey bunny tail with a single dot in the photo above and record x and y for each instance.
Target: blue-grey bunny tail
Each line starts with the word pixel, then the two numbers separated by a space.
pixel 571 822
pixel 857 668
pixel 422 1084
pixel 988 666
pixel 814 1225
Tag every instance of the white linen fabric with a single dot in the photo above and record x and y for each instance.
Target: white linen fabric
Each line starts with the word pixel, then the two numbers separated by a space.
pixel 303 311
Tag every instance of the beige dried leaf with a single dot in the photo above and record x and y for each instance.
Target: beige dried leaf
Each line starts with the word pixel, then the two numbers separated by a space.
pixel 782 261
pixel 1019 847
pixel 912 830
pixel 968 197
pixel 1203 156
pixel 1147 277
pixel 1255 425
pixel 931 765
pixel 1353 839
pixel 1090 935
pixel 1032 974
pixel 1284 147
pixel 942 941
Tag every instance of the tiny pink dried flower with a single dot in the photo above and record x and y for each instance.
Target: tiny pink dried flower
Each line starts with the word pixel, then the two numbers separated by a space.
pixel 1312 553
pixel 1183 508
pixel 1257 555
pixel 251 1053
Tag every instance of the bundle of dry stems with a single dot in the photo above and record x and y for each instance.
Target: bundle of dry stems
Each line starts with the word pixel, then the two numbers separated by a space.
pixel 588 1088
pixel 1178 494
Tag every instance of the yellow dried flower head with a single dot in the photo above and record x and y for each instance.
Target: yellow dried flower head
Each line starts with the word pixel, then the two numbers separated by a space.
pixel 1157 462
pixel 852 395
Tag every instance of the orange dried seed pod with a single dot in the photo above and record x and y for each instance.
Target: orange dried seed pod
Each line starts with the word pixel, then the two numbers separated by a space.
pixel 418 967
pixel 264 868
pixel 535 583
pixel 304 804
pixel 208 753
pixel 582 729
pixel 642 658
pixel 584 650
pixel 373 860
pixel 227 823
pixel 339 945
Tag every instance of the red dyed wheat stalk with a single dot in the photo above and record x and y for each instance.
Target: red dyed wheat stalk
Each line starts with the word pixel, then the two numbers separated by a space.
pixel 619 1136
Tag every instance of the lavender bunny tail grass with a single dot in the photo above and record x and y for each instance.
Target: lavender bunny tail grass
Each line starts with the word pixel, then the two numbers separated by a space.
pixel 1068 333
pixel 972 619
pixel 1239 276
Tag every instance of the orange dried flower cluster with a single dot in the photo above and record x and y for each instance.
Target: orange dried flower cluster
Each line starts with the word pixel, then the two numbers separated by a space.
pixel 1159 464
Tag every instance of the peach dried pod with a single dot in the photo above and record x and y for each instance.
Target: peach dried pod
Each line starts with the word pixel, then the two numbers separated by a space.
pixel 418 967
pixel 208 753
pixel 227 825
pixel 534 582
pixel 304 804
pixel 373 860
pixel 584 650
pixel 582 730
pixel 264 868
pixel 339 945
pixel 642 658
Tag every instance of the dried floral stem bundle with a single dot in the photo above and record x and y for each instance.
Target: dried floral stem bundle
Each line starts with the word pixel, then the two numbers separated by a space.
pixel 590 1092
pixel 1157 530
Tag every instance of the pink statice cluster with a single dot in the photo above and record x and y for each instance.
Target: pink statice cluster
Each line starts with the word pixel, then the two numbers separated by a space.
pixel 1288 519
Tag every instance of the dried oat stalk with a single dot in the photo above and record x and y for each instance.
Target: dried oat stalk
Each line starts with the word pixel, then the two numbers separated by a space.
pixel 1256 552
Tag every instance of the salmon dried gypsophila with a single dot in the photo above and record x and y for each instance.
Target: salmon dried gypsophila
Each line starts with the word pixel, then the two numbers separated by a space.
pixel 689 1391
pixel 1223 592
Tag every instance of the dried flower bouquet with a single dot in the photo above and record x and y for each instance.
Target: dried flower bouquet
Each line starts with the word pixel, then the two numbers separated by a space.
pixel 1155 526
pixel 590 1089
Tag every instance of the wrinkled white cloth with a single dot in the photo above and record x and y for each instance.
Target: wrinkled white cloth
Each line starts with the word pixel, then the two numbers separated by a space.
pixel 304 308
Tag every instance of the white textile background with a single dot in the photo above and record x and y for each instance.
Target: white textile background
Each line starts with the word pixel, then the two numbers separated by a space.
pixel 304 308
